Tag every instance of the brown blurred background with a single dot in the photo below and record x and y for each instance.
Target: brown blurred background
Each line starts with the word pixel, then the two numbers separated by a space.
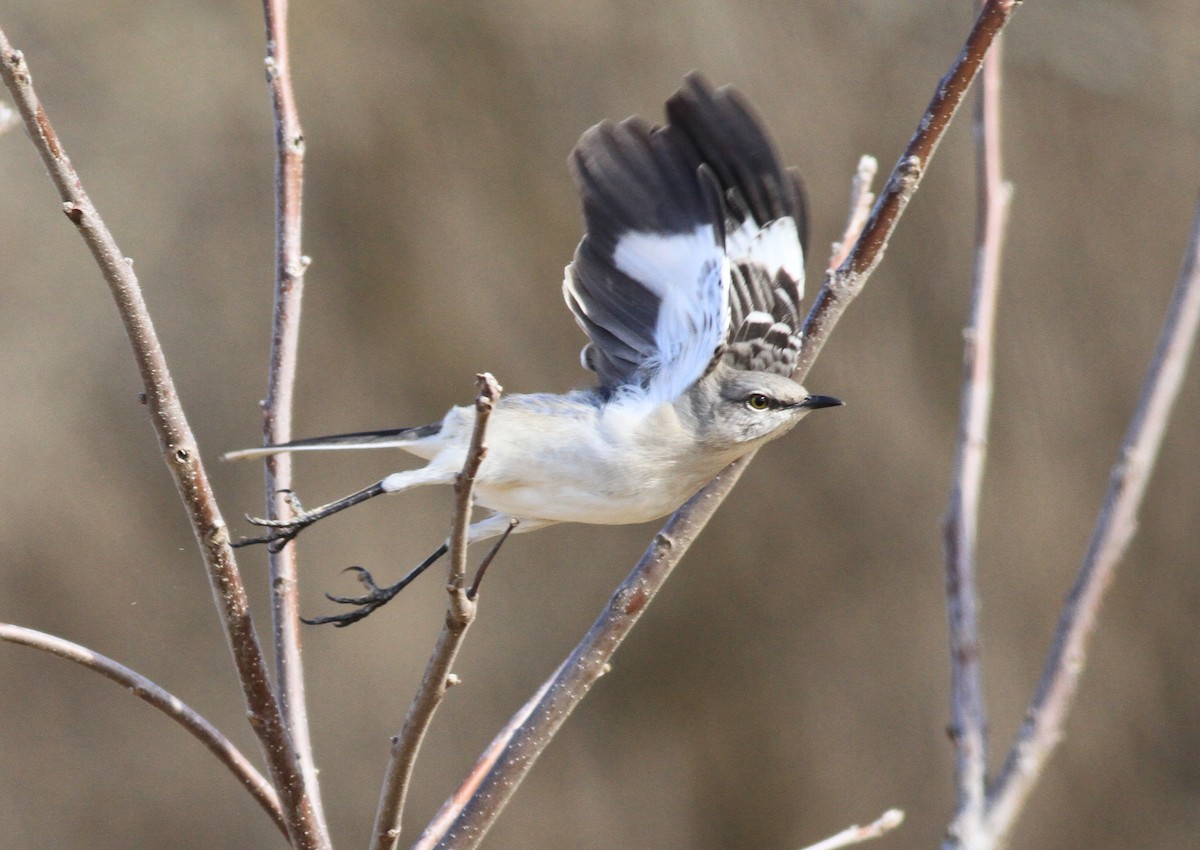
pixel 792 678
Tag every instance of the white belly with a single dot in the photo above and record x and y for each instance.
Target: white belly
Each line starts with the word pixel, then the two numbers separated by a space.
pixel 609 471
pixel 576 501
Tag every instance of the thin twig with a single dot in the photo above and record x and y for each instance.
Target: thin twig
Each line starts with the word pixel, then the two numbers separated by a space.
pixel 167 703
pixel 466 817
pixel 470 812
pixel 464 487
pixel 1115 526
pixel 178 446
pixel 290 264
pixel 861 199
pixel 844 284
pixel 460 613
pixel 884 824
pixel 968 724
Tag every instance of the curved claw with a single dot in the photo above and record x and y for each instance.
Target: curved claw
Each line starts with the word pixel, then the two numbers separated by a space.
pixel 263 522
pixel 342 600
pixel 364 578
pixel 340 621
pixel 374 591
pixel 300 518
pixel 270 539
pixel 368 602
pixel 350 600
pixel 275 540
pixel 283 531
pixel 375 596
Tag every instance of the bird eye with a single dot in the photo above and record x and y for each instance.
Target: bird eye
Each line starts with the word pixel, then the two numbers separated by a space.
pixel 758 401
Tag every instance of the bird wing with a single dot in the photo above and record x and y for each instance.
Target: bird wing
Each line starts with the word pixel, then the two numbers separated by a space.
pixel 649 282
pixel 766 223
pixel 692 249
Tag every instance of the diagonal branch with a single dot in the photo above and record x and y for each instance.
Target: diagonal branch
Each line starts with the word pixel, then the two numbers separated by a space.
pixel 459 615
pixel 470 812
pixel 466 817
pixel 845 283
pixel 290 265
pixel 968 726
pixel 1115 526
pixel 178 446
pixel 164 701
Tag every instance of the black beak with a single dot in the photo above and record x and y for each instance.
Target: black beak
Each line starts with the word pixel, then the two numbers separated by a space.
pixel 815 402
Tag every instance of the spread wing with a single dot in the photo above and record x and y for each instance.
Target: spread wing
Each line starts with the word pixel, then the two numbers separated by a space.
pixel 766 223
pixel 649 283
pixel 692 250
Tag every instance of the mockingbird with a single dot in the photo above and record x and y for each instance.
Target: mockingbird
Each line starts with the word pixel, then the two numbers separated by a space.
pixel 688 282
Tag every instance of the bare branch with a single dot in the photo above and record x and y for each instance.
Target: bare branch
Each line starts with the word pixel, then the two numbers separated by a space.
pixel 861 198
pixel 178 446
pixel 459 616
pixel 290 265
pixel 464 485
pixel 884 824
pixel 845 283
pixel 466 817
pixel 1115 526
pixel 470 812
pixel 968 711
pixel 167 703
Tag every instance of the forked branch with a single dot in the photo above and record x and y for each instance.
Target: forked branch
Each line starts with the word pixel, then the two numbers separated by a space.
pixel 290 264
pixel 845 282
pixel 164 701
pixel 179 450
pixel 1114 529
pixel 460 614
pixel 968 725
pixel 984 817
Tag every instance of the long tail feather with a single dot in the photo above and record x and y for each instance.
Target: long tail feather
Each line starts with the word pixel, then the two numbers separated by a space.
pixel 394 438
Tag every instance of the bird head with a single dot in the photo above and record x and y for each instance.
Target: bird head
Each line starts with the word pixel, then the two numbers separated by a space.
pixel 737 409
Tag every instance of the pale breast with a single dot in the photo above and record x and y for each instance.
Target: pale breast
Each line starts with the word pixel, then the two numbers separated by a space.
pixel 607 465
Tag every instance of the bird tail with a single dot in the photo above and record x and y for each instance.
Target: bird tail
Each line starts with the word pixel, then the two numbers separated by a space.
pixel 395 438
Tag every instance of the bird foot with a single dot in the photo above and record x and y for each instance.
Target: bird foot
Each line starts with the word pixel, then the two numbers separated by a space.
pixel 283 531
pixel 375 597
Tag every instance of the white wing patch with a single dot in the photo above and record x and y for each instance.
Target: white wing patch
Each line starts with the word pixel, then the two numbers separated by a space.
pixel 737 242
pixel 689 272
pixel 775 247
pixel 666 263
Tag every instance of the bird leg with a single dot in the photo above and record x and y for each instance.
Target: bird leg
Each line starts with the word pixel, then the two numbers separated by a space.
pixel 489 557
pixel 375 597
pixel 284 530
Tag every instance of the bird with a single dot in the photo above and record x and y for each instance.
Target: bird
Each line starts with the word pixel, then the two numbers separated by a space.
pixel 687 282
